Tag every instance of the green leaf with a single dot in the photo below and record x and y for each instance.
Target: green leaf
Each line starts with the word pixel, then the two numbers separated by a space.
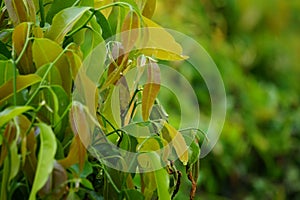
pixel 151 89
pixel 152 160
pixel 45 158
pixel 53 77
pixel 134 195
pixel 103 22
pixel 15 160
pixel 56 7
pixel 86 183
pixel 194 153
pixel 63 22
pixel 23 81
pixel 92 39
pixel 4 51
pixel 6 71
pixel 11 112
pixel 45 51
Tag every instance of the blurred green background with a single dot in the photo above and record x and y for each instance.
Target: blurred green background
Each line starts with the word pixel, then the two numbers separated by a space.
pixel 256 46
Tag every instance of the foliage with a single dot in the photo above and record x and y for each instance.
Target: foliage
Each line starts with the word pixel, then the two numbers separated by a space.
pixel 44 45
pixel 256 47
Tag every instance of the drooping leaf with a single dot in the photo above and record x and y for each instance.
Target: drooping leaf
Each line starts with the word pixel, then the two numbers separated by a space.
pixel 30 165
pixel 194 153
pixel 76 154
pixel 4 51
pixel 6 71
pixel 19 38
pixel 57 6
pixel 46 51
pixel 9 135
pixel 129 30
pixel 159 43
pixel 11 159
pixel 53 77
pixel 103 22
pixel 91 40
pixel 45 158
pixel 151 161
pixel 149 8
pixel 75 63
pixel 11 112
pixel 174 137
pixel 63 22
pixel 99 3
pixel 23 81
pixel 55 186
pixel 151 89
pixel 15 160
pixel 124 97
pixel 111 110
pixel 20 11
pixel 134 194
pixel 24 126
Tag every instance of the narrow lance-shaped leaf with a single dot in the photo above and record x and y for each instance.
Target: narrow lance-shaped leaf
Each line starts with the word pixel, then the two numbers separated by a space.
pixel 130 31
pixel 11 112
pixel 6 71
pixel 9 135
pixel 46 51
pixel 20 11
pixel 30 165
pixel 19 38
pixel 57 6
pixel 63 22
pixel 76 154
pixel 174 137
pixel 149 8
pixel 45 159
pixel 151 161
pixel 23 81
pixel 151 89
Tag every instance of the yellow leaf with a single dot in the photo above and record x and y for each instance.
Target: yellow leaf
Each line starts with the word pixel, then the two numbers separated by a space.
pixel 47 51
pixel 159 43
pixel 149 8
pixel 99 3
pixel 173 136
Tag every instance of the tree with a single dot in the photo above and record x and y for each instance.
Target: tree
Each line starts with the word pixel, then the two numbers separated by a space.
pixel 64 122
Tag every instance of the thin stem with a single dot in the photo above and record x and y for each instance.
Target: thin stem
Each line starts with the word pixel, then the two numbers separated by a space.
pixel 84 25
pixel 15 82
pixel 112 126
pixel 63 115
